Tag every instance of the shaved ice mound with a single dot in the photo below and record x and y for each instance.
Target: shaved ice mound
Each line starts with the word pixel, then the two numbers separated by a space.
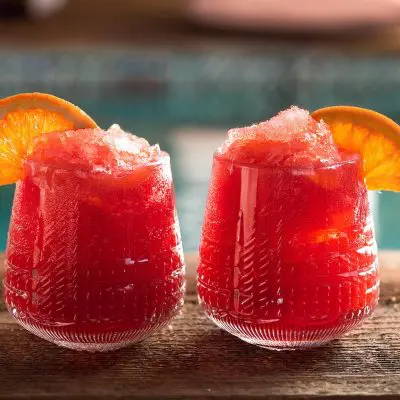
pixel 112 151
pixel 292 138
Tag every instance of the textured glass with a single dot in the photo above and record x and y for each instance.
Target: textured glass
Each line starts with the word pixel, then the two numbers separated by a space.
pixel 288 256
pixel 94 262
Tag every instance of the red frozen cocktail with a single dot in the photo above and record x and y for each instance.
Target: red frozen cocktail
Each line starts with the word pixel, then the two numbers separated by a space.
pixel 94 258
pixel 288 254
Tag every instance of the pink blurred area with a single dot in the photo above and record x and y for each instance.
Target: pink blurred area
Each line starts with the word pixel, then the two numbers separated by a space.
pixel 191 22
pixel 305 15
pixel 44 8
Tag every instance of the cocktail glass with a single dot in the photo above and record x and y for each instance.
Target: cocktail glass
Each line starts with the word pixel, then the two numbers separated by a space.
pixel 288 254
pixel 94 261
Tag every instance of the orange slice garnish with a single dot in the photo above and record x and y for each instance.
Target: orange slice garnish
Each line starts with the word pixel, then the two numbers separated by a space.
pixel 374 136
pixel 27 115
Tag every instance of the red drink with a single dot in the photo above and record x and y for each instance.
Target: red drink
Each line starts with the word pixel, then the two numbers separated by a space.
pixel 94 257
pixel 288 254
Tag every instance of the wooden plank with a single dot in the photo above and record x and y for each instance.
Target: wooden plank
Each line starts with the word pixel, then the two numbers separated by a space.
pixel 192 358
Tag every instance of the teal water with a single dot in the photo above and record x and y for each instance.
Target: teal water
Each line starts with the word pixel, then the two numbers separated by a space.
pixel 186 101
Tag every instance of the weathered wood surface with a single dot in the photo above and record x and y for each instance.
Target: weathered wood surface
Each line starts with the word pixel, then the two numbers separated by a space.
pixel 194 359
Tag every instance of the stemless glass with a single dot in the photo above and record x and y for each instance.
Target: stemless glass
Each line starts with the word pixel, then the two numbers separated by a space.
pixel 288 255
pixel 94 262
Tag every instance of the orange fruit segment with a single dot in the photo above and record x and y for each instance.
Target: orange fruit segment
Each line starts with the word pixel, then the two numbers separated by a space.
pixel 26 116
pixel 371 134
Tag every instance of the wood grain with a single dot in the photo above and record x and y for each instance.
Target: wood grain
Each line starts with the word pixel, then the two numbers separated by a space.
pixel 192 358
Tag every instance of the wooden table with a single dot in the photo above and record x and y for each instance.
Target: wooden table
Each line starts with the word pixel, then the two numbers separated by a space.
pixel 193 359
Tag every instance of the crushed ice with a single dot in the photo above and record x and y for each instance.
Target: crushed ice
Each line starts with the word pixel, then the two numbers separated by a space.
pixel 291 138
pixel 100 151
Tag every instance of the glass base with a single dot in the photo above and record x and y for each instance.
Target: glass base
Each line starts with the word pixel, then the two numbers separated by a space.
pixel 90 342
pixel 283 338
pixel 287 346
pixel 94 347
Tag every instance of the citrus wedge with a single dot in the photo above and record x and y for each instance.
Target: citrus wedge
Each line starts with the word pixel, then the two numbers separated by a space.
pixel 374 136
pixel 27 115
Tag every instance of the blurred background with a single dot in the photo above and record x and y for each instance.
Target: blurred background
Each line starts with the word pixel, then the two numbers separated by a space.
pixel 180 72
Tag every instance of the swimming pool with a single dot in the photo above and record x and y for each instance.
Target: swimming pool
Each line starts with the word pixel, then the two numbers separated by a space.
pixel 185 101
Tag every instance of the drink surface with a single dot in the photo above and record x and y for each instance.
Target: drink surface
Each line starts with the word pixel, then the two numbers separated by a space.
pixel 94 253
pixel 288 254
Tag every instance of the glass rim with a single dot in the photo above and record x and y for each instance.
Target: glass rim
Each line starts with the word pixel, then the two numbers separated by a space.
pixel 163 159
pixel 352 159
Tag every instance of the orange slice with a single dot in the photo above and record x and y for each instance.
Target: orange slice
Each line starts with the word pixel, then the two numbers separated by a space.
pixel 27 115
pixel 373 135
